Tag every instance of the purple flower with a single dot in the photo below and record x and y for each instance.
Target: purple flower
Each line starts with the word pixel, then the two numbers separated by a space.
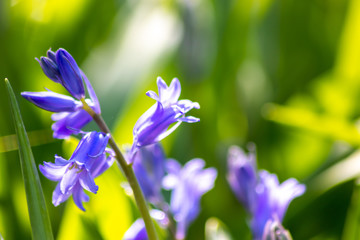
pixel 149 168
pixel 242 176
pixel 154 124
pixel 137 230
pixel 88 161
pixel 69 114
pixel 260 192
pixel 62 68
pixel 189 184
pixel 272 200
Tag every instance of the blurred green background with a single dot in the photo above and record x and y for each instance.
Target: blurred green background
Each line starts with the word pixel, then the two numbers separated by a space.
pixel 283 74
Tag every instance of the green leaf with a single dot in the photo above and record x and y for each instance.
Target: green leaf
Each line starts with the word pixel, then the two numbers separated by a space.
pixel 352 224
pixel 38 214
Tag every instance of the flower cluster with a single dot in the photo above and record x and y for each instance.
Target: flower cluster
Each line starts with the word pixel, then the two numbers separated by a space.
pixel 69 114
pixel 91 157
pixel 260 191
pixel 187 183
pixel 155 173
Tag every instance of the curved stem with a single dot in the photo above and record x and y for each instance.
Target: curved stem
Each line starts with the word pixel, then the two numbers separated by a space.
pixel 129 173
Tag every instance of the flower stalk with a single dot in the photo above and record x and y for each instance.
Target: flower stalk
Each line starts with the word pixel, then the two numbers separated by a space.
pixel 128 171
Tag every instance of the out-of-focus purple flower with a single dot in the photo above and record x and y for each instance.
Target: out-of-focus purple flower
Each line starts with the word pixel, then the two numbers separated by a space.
pixel 88 161
pixel 189 184
pixel 260 192
pixel 62 68
pixel 275 231
pixel 149 168
pixel 154 124
pixel 69 114
pixel 242 176
pixel 137 230
pixel 272 200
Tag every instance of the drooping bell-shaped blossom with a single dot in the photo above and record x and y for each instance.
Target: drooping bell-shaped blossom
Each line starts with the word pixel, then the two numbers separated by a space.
pixel 149 168
pixel 88 161
pixel 62 68
pixel 69 114
pixel 242 176
pixel 154 124
pixel 272 200
pixel 189 184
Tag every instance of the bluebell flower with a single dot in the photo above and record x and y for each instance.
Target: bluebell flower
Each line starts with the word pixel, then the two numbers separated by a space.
pixel 62 68
pixel 272 200
pixel 189 184
pixel 69 114
pixel 154 124
pixel 149 168
pixel 242 176
pixel 88 161
pixel 260 192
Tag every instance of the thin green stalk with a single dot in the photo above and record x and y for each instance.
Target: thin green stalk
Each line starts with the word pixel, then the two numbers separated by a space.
pixel 129 173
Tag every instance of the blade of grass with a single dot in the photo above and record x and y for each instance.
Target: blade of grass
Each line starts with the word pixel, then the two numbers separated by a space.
pixel 38 214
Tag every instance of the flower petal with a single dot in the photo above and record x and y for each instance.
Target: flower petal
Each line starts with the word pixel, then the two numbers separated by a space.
pixel 61 161
pixel 92 145
pixel 92 93
pixel 70 123
pixel 53 171
pixel 69 179
pixel 101 166
pixel 189 119
pixel 153 95
pixel 59 197
pixel 169 95
pixel 87 182
pixel 79 196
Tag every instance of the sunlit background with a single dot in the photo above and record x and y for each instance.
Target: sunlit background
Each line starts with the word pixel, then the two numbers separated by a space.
pixel 284 75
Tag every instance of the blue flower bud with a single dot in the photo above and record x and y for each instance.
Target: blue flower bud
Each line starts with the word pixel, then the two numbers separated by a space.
pixel 50 54
pixel 70 73
pixel 50 69
pixel 51 101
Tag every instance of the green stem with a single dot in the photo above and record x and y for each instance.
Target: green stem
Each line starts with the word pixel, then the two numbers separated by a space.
pixel 129 173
